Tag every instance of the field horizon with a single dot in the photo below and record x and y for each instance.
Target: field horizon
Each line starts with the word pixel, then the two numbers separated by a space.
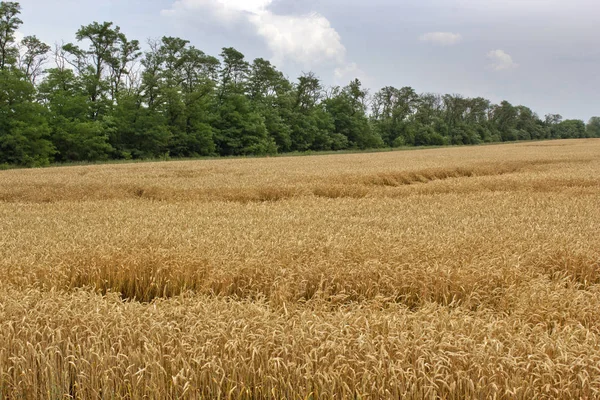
pixel 309 153
pixel 451 272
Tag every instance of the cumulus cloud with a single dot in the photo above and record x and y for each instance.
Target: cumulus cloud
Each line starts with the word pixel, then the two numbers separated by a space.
pixel 501 60
pixel 227 12
pixel 441 38
pixel 305 39
pixel 348 72
pixel 19 37
pixel 251 6
pixel 308 39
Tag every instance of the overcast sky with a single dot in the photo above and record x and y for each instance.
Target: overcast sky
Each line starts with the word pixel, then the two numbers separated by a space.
pixel 544 54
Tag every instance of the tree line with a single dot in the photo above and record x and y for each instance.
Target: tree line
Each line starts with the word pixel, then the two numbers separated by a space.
pixel 103 98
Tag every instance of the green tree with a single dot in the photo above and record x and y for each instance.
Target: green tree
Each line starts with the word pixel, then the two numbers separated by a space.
pixel 199 73
pixel 103 64
pixel 24 132
pixel 9 23
pixel 390 114
pixel 75 136
pixel 178 98
pixel 32 57
pixel 529 124
pixel 271 96
pixel 137 131
pixel 551 123
pixel 349 112
pixel 124 56
pixel 505 118
pixel 311 126
pixel 115 101
pixel 571 128
pixel 234 71
pixel 239 130
pixel 593 127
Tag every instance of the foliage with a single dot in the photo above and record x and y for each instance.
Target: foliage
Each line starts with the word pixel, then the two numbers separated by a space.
pixel 24 130
pixel 106 99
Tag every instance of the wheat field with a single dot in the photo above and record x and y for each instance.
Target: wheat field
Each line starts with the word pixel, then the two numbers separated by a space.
pixel 455 273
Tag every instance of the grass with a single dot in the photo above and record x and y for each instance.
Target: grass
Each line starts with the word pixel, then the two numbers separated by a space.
pixel 441 273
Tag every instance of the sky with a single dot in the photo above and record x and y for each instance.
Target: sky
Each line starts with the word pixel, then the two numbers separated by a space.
pixel 543 54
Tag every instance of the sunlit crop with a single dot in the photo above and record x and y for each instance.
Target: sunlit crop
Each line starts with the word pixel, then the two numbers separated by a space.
pixel 445 273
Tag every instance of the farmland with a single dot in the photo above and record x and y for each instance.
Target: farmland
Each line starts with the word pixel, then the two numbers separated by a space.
pixel 468 272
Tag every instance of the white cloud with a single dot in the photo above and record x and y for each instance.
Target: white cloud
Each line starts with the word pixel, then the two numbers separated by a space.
pixel 501 61
pixel 251 6
pixel 306 39
pixel 19 36
pixel 225 11
pixel 348 72
pixel 441 38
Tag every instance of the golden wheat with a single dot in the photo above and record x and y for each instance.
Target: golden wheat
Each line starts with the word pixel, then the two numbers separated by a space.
pixel 445 273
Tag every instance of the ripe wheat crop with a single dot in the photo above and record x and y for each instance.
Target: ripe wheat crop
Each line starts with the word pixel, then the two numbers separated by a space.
pixel 434 274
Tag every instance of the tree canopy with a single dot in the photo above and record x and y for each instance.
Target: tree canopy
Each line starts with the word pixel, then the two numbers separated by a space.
pixel 102 98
